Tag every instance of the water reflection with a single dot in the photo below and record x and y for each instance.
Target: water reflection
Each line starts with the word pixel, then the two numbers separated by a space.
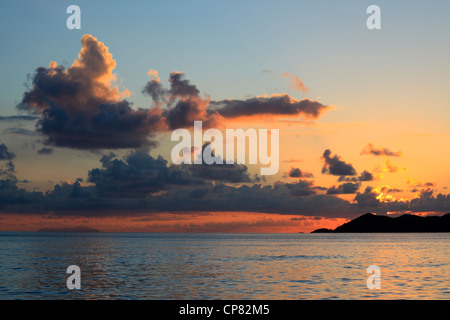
pixel 224 266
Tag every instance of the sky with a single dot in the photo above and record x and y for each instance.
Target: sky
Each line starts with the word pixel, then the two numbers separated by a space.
pixel 86 116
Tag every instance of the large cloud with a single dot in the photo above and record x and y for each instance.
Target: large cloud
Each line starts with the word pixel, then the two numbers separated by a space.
pixel 81 107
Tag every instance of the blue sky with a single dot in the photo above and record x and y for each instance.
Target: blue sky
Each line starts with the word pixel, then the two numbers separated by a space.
pixel 224 46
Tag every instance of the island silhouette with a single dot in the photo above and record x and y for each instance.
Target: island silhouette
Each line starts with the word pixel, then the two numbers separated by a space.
pixel 370 222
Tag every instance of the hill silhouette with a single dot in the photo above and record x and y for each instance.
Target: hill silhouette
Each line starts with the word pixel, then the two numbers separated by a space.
pixel 370 222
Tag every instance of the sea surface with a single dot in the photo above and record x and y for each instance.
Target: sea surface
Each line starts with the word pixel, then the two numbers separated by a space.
pixel 224 266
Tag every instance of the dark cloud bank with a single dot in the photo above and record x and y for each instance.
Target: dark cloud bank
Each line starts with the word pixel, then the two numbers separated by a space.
pixel 140 183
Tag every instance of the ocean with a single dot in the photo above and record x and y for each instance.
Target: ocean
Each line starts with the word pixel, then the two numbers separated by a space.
pixel 224 266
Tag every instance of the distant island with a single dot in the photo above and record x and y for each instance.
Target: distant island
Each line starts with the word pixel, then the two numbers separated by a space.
pixel 71 229
pixel 370 222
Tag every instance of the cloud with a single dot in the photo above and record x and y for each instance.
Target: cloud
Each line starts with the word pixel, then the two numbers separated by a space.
pixel 45 151
pixel 424 202
pixel 392 168
pixel 189 107
pixel 379 151
pixel 300 188
pixel 367 199
pixel 416 184
pixel 219 170
pixel 153 74
pixel 155 90
pixel 345 188
pixel 18 118
pixel 185 112
pixel 420 188
pixel 18 200
pixel 20 131
pixel 233 173
pixel 138 175
pixel 296 83
pixel 8 171
pixel 275 105
pixel 292 161
pixel 389 168
pixel 297 173
pixel 387 189
pixel 80 106
pixel 335 166
pixel 365 176
pixel 5 154
pixel 180 87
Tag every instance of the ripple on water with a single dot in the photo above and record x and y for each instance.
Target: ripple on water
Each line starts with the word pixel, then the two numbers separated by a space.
pixel 156 266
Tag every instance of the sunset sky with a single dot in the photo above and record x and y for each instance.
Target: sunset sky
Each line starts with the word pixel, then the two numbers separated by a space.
pixel 86 115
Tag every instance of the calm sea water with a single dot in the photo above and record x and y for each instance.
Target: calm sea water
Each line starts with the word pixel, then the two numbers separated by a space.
pixel 224 266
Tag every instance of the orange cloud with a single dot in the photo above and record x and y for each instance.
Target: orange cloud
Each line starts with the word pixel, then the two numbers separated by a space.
pixel 385 194
pixel 296 83
pixel 388 168
pixel 379 151
pixel 153 75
